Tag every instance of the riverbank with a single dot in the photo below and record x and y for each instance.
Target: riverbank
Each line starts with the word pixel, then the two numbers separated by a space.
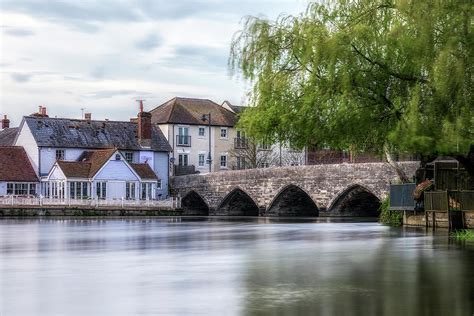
pixel 454 219
pixel 60 210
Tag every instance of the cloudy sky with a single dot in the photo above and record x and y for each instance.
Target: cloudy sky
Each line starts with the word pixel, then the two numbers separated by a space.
pixel 103 55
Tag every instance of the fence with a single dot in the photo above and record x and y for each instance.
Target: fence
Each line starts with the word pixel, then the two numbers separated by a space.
pixel 449 200
pixel 401 197
pixel 173 202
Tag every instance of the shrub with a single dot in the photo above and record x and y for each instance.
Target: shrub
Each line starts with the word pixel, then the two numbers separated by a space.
pixel 387 217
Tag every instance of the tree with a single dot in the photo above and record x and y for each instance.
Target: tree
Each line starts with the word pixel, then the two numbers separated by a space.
pixel 374 74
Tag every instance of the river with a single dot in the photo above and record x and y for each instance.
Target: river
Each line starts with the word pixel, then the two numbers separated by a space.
pixel 230 266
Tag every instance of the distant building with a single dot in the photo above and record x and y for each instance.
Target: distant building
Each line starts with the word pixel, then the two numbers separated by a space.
pixel 17 176
pixel 185 123
pixel 69 145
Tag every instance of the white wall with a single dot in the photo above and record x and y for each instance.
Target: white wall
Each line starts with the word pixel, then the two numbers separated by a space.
pixel 3 188
pixel 48 157
pixel 26 139
pixel 160 167
pixel 116 170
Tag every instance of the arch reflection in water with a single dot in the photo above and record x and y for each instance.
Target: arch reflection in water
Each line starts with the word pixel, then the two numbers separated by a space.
pixel 237 203
pixel 293 201
pixel 355 201
pixel 193 204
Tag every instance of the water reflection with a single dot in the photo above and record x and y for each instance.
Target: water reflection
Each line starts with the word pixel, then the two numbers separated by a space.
pixel 230 266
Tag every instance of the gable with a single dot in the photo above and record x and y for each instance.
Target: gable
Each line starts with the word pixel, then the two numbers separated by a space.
pixel 116 170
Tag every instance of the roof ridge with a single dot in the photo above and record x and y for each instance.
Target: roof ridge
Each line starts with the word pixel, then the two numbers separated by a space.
pixel 76 119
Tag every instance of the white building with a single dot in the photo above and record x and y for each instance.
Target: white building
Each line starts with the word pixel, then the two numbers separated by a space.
pixel 193 137
pixel 53 143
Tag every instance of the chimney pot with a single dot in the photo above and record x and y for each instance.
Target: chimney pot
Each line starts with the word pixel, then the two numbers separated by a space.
pixel 5 122
pixel 88 116
pixel 43 111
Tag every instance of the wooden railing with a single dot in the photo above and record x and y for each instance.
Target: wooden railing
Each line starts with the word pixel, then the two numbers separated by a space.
pixel 173 202
pixel 449 200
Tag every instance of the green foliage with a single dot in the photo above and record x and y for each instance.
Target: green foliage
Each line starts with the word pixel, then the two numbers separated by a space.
pixel 463 234
pixel 387 217
pixel 362 73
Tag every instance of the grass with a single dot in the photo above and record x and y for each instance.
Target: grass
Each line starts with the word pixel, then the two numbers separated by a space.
pixel 387 217
pixel 463 234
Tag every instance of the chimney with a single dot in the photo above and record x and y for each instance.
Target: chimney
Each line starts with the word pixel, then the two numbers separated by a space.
pixel 87 116
pixel 5 122
pixel 40 109
pixel 144 125
pixel 43 111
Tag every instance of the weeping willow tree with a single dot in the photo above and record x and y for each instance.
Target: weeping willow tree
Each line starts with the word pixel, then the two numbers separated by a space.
pixel 389 75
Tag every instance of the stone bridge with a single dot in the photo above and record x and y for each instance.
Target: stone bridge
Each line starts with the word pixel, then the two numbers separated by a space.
pixel 327 190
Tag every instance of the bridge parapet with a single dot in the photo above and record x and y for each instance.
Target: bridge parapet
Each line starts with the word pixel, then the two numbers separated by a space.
pixel 326 185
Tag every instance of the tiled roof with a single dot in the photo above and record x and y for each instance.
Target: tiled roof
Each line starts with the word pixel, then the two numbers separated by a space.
pixel 72 133
pixel 190 111
pixel 15 165
pixel 236 108
pixel 8 135
pixel 144 171
pixel 87 165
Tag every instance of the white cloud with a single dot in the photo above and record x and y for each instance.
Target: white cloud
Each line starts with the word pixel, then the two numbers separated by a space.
pixel 103 55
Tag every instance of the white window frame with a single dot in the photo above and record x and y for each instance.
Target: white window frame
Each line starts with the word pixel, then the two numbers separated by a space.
pixel 226 133
pixel 203 129
pixel 61 153
pixel 226 166
pixel 127 158
pixel 159 184
pixel 203 156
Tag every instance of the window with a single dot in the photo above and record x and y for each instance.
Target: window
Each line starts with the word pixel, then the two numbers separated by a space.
pixel 223 161
pixel 240 163
pixel 146 191
pixel 183 159
pixel 101 190
pixel 32 189
pixel 263 164
pixel 129 156
pixel 59 154
pixel 201 160
pixel 202 131
pixel 158 184
pixel 264 146
pixel 78 190
pixel 183 138
pixel 223 132
pixel 118 157
pixel 130 190
pixel 21 188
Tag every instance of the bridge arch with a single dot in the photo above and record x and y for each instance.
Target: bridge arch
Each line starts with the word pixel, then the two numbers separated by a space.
pixel 194 204
pixel 292 200
pixel 237 203
pixel 355 200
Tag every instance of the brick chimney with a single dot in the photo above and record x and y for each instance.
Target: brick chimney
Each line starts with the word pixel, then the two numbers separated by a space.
pixel 43 111
pixel 144 126
pixel 87 116
pixel 5 122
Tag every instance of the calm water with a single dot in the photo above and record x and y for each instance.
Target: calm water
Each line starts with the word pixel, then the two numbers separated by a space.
pixel 192 266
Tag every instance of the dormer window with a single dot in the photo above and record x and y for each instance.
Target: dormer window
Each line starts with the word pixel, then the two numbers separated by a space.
pixel 59 154
pixel 129 157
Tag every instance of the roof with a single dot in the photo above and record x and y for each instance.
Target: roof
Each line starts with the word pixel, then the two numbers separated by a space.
pixel 87 165
pixel 15 165
pixel 189 111
pixel 73 133
pixel 236 108
pixel 144 171
pixel 8 135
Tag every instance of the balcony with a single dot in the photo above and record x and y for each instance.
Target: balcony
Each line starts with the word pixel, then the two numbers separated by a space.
pixel 184 170
pixel 240 143
pixel 183 140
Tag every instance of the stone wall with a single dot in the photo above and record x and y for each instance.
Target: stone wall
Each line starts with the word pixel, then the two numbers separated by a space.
pixel 458 219
pixel 324 184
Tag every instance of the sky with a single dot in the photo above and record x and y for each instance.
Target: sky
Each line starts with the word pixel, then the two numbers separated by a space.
pixel 103 55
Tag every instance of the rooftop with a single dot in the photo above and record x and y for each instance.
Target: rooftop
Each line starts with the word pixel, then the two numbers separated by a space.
pixel 69 133
pixel 190 111
pixel 15 165
pixel 8 135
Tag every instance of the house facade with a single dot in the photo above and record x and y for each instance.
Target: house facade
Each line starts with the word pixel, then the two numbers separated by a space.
pixel 196 130
pixel 101 174
pixel 53 143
